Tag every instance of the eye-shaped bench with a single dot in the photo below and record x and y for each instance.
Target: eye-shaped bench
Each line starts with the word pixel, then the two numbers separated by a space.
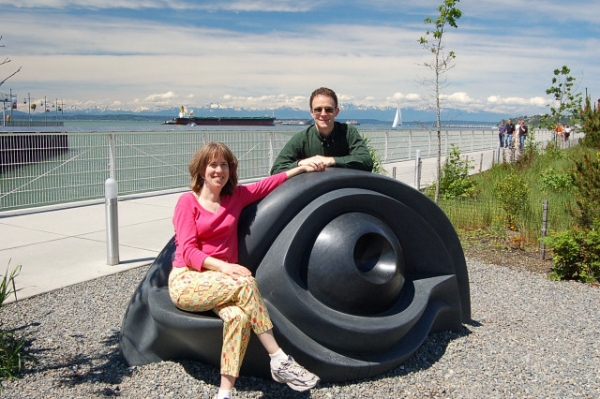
pixel 356 270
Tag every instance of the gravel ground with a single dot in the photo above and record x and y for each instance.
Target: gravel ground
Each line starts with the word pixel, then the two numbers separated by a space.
pixel 530 338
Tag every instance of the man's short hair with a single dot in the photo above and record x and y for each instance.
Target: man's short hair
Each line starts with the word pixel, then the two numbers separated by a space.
pixel 324 91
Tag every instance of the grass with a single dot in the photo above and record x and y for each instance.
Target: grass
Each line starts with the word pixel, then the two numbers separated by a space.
pixel 546 177
pixel 13 351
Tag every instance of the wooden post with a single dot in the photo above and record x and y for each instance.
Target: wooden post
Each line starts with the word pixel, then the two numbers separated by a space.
pixel 544 230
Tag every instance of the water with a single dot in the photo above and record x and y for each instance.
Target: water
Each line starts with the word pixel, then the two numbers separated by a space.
pixel 154 126
pixel 151 156
pixel 99 125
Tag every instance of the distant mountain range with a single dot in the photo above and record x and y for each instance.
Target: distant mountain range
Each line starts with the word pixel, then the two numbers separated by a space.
pixel 348 111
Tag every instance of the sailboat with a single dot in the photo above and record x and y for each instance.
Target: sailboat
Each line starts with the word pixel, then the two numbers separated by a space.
pixel 397 119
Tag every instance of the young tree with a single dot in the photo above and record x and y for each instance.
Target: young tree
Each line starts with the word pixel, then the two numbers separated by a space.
pixel 6 61
pixel 441 64
pixel 590 124
pixel 566 102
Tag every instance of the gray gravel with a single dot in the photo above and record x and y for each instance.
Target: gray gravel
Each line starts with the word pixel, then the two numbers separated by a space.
pixel 531 338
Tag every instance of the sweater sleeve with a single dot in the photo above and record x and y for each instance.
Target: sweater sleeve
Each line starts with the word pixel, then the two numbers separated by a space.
pixel 359 156
pixel 253 192
pixel 188 252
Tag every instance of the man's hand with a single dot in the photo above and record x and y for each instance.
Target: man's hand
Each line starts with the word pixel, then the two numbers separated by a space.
pixel 318 162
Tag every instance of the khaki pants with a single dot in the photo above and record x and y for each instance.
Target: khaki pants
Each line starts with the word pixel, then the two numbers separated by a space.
pixel 237 302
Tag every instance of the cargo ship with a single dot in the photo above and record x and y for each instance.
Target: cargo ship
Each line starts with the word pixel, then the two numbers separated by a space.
pixel 191 120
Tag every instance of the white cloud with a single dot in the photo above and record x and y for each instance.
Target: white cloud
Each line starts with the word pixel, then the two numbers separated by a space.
pixel 161 97
pixel 121 62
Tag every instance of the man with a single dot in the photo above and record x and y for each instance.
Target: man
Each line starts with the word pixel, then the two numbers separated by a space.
pixel 567 132
pixel 510 130
pixel 522 133
pixel 326 143
pixel 502 133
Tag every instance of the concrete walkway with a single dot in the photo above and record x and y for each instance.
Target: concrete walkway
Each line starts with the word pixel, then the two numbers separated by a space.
pixel 58 248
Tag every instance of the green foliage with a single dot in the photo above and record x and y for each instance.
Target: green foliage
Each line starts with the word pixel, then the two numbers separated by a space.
pixel 13 353
pixel 553 181
pixel 377 162
pixel 530 151
pixel 448 15
pixel 566 102
pixel 568 179
pixel 576 255
pixel 455 181
pixel 577 251
pixel 590 116
pixel 7 285
pixel 586 179
pixel 553 152
pixel 513 193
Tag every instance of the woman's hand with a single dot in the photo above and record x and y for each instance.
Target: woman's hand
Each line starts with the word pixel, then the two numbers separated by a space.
pixel 231 269
pixel 234 270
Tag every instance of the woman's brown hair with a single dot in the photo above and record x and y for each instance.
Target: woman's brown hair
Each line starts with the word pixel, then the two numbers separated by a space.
pixel 205 155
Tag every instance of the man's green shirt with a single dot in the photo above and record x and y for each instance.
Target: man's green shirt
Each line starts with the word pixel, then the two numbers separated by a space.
pixel 344 144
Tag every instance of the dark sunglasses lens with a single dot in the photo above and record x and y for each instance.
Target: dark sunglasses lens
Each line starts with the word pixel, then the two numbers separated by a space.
pixel 328 110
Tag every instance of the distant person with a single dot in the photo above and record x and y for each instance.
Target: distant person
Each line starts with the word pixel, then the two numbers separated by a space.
pixel 510 131
pixel 523 130
pixel 567 133
pixel 558 132
pixel 326 143
pixel 502 133
pixel 206 274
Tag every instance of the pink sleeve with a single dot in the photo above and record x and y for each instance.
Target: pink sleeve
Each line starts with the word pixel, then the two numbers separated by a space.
pixel 256 191
pixel 187 252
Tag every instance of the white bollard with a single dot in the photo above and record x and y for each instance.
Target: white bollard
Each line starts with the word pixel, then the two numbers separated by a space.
pixel 417 169
pixel 112 222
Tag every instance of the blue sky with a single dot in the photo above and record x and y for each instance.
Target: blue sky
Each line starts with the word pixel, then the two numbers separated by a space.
pixel 153 54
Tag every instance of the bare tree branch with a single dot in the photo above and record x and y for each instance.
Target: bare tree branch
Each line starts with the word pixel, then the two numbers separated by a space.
pixel 6 61
pixel 10 76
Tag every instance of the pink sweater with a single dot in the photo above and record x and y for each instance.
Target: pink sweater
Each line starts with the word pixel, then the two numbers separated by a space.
pixel 200 233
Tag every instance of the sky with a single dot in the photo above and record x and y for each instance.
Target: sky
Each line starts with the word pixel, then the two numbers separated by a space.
pixel 155 54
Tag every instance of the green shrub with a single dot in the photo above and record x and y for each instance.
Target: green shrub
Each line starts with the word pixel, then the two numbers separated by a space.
pixel 513 194
pixel 557 182
pixel 13 353
pixel 377 162
pixel 577 251
pixel 7 285
pixel 576 255
pixel 586 179
pixel 530 152
pixel 454 178
pixel 590 116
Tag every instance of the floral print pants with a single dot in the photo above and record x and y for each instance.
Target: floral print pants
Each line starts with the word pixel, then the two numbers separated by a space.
pixel 237 302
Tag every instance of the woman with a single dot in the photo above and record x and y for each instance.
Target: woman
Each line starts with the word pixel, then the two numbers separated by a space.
pixel 206 275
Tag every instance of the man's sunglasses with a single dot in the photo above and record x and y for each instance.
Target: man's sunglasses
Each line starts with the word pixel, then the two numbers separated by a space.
pixel 328 110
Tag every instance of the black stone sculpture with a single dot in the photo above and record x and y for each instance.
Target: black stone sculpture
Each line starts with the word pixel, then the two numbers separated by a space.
pixel 356 270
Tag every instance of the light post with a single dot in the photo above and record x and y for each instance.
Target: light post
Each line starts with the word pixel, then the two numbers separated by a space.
pixel 28 103
pixel 11 106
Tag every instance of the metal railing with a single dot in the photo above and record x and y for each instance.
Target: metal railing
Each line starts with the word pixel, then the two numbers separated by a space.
pixel 45 169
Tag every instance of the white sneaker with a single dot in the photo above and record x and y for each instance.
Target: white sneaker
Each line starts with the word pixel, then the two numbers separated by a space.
pixel 296 376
